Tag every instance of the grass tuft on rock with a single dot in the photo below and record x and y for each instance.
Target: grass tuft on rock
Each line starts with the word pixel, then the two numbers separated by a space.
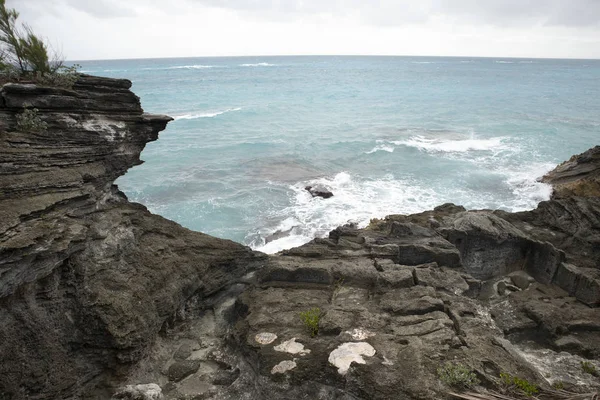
pixel 589 368
pixel 311 320
pixel 519 385
pixel 457 376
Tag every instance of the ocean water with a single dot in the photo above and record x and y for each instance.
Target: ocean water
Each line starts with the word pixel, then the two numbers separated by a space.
pixel 386 134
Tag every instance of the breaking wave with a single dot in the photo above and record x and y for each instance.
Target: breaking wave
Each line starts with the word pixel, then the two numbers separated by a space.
pixel 205 115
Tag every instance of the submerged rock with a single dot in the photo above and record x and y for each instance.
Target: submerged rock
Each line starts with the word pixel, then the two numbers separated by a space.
pixel 319 191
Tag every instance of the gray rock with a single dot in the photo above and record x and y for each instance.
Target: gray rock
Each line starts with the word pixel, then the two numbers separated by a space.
pixel 183 369
pixel 319 191
pixel 183 352
pixel 521 279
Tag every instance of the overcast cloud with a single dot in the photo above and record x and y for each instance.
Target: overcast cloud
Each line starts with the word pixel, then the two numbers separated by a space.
pixel 96 29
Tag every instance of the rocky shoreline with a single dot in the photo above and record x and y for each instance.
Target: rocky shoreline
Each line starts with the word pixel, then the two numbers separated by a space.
pixel 101 299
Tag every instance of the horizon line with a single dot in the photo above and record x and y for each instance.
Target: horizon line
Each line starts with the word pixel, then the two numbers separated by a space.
pixel 337 55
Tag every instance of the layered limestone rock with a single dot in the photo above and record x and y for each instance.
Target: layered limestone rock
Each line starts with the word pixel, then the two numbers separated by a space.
pixel 87 279
pixel 99 298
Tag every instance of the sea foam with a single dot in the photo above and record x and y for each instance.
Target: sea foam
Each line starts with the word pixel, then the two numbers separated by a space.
pixel 452 146
pixel 262 64
pixel 205 115
pixel 355 200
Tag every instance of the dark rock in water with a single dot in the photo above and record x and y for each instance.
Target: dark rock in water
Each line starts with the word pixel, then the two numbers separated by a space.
pixel 100 298
pixel 279 235
pixel 319 191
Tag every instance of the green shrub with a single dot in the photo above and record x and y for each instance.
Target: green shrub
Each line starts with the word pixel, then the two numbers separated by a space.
pixel 64 77
pixel 457 375
pixel 21 48
pixel 589 368
pixel 311 320
pixel 514 383
pixel 30 121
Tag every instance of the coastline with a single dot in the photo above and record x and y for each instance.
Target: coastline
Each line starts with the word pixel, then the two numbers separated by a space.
pixel 134 299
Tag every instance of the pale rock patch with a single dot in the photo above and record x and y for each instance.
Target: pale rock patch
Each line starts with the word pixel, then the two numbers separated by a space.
pixel 348 353
pixel 265 337
pixel 292 347
pixel 360 334
pixel 283 367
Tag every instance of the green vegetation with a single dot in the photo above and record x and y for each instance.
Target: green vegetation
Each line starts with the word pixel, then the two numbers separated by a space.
pixel 311 320
pixel 30 121
pixel 589 368
pixel 457 375
pixel 559 385
pixel 64 77
pixel 24 55
pixel 514 383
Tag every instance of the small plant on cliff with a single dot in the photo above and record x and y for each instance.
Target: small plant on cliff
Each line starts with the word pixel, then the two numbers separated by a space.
pixel 457 375
pixel 30 121
pixel 64 77
pixel 589 368
pixel 311 320
pixel 518 385
pixel 558 385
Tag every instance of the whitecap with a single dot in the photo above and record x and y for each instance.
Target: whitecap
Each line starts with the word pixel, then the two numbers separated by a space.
pixel 504 62
pixel 262 64
pixel 381 147
pixel 190 67
pixel 452 146
pixel 205 115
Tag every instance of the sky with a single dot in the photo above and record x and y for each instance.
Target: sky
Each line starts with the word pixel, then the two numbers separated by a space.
pixel 115 29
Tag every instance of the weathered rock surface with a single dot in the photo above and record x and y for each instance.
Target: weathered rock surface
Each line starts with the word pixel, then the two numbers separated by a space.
pixel 577 177
pixel 87 279
pixel 99 298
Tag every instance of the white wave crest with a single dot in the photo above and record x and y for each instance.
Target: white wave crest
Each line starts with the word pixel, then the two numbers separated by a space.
pixel 205 115
pixel 191 67
pixel 528 191
pixel 262 64
pixel 355 200
pixel 381 147
pixel 504 62
pixel 452 146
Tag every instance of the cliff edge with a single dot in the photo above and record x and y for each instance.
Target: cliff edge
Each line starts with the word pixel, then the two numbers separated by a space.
pixel 88 279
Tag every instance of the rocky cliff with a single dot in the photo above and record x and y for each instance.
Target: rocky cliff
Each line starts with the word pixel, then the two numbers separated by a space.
pixel 87 279
pixel 99 298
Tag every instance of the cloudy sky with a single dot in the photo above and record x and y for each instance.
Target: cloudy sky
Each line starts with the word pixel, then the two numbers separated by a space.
pixel 108 29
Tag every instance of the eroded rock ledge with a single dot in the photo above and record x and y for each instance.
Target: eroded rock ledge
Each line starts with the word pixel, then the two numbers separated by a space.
pixel 87 279
pixel 99 298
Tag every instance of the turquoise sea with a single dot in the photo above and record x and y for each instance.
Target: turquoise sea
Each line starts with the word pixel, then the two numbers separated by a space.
pixel 386 134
